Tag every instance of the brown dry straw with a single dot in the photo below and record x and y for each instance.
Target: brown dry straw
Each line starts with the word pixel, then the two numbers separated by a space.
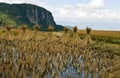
pixel 75 29
pixel 8 28
pixel 51 28
pixel 24 27
pixel 88 30
pixel 66 30
pixel 37 27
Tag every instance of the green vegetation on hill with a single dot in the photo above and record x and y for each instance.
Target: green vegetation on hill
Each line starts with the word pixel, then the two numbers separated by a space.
pixel 6 20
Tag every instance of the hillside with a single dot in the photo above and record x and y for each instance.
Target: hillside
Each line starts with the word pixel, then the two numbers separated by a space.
pixel 19 14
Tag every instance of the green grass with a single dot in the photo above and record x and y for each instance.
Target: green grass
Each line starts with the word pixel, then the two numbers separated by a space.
pixel 107 47
pixel 112 40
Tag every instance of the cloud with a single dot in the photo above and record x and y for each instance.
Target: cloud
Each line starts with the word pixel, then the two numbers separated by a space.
pixel 92 11
pixel 36 2
pixel 97 3
pixel 13 1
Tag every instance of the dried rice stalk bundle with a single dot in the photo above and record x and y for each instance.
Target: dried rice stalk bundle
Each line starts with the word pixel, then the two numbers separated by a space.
pixel 24 27
pixel 37 27
pixel 66 30
pixel 36 34
pixel 88 30
pixel 8 28
pixel 87 40
pixel 75 29
pixel 51 28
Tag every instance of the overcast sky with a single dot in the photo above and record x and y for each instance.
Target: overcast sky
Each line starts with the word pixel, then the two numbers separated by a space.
pixel 98 14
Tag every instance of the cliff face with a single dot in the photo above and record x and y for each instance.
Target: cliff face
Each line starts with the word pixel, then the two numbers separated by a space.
pixel 30 15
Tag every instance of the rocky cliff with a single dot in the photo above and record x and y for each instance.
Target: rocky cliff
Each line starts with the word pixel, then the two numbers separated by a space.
pixel 30 15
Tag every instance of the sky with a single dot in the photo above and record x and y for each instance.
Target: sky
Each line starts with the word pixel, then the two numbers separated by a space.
pixel 97 14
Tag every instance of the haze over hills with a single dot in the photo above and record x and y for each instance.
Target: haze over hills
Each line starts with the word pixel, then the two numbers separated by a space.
pixel 28 14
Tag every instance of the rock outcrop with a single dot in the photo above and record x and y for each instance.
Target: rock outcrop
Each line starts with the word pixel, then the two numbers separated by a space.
pixel 30 15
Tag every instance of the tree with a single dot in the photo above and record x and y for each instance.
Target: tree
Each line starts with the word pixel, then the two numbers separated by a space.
pixel 6 20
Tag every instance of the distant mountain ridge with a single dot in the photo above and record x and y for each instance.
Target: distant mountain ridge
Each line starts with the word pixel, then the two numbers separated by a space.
pixel 30 15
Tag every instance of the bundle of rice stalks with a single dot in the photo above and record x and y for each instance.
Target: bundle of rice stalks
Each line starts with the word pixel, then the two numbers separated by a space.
pixel 37 27
pixel 75 29
pixel 7 35
pixel 50 37
pixel 87 40
pixel 8 28
pixel 66 30
pixel 24 27
pixel 51 28
pixel 23 36
pixel 65 38
pixel 75 39
pixel 88 30
pixel 36 35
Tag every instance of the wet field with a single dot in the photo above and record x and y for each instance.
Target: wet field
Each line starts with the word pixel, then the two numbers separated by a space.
pixel 49 56
pixel 42 59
